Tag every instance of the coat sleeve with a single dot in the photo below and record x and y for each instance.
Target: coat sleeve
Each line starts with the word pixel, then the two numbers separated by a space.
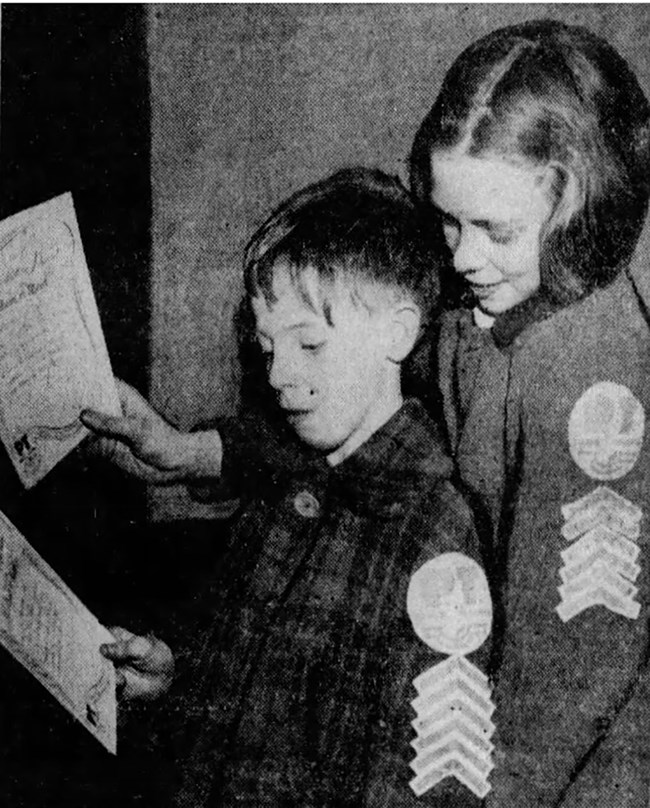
pixel 618 771
pixel 256 444
pixel 439 522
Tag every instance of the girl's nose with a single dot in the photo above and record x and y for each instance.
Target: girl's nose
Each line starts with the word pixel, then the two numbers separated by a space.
pixel 471 251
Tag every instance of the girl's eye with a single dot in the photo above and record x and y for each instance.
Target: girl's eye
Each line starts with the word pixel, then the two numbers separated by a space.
pixel 312 347
pixel 502 236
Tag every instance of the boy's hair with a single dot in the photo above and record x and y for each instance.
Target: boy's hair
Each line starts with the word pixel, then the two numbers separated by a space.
pixel 359 226
pixel 548 95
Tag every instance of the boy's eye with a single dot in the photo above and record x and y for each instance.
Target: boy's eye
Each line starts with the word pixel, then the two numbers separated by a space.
pixel 451 230
pixel 448 222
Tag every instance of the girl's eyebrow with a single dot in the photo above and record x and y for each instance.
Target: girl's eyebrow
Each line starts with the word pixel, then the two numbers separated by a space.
pixel 514 226
pixel 491 224
pixel 485 224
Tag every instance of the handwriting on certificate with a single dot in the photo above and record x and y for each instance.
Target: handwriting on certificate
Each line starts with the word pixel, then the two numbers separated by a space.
pixel 49 631
pixel 53 357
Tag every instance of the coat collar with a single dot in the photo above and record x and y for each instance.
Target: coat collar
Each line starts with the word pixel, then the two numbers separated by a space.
pixel 401 458
pixel 509 325
pixel 383 474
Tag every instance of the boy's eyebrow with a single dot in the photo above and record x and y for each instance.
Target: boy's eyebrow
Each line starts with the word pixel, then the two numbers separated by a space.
pixel 292 327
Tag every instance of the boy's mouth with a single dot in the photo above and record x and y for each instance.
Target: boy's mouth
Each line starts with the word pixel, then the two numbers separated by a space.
pixel 296 417
pixel 294 412
pixel 296 406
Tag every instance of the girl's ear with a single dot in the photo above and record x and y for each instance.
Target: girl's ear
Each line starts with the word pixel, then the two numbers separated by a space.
pixel 403 328
pixel 563 191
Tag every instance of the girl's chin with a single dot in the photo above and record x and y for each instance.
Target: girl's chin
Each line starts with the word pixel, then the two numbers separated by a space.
pixel 500 302
pixel 495 307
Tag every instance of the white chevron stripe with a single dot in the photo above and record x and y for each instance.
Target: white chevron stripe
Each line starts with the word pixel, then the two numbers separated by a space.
pixel 464 730
pixel 614 562
pixel 479 763
pixel 604 516
pixel 593 577
pixel 599 597
pixel 452 767
pixel 438 673
pixel 454 707
pixel 601 537
pixel 604 496
pixel 459 686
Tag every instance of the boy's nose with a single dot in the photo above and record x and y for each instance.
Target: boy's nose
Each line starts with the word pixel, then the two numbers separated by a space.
pixel 282 371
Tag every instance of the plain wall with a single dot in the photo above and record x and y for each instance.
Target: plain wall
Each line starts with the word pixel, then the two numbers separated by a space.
pixel 250 102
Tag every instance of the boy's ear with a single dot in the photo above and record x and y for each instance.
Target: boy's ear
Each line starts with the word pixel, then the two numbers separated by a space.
pixel 403 328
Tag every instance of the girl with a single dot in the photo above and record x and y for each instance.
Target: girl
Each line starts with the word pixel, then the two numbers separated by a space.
pixel 536 156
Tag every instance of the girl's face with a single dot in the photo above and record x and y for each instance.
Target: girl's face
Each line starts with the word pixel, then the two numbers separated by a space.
pixel 493 214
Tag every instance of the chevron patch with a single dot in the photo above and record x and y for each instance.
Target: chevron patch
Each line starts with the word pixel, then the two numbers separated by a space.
pixel 600 566
pixel 453 727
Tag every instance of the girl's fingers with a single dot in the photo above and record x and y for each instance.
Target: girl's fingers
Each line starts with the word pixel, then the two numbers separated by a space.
pixel 128 430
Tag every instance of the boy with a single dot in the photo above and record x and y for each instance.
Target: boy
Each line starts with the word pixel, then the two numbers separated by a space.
pixel 300 685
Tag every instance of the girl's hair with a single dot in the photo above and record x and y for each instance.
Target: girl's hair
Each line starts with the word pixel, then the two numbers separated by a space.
pixel 547 95
pixel 359 226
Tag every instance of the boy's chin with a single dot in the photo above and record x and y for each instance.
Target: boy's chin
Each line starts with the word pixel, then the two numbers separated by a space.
pixel 313 437
pixel 317 443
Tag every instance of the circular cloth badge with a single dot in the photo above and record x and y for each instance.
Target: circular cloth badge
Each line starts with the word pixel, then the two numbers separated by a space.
pixel 606 431
pixel 449 603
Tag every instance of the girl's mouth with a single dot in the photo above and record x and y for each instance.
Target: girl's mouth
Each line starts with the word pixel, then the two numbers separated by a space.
pixel 484 289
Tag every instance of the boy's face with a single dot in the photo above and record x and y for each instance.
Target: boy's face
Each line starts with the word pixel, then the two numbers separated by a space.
pixel 334 382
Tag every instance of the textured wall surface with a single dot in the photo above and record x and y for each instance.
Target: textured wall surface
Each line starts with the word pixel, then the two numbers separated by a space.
pixel 250 102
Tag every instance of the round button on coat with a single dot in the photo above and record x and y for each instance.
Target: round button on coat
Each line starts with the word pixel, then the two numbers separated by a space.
pixel 306 504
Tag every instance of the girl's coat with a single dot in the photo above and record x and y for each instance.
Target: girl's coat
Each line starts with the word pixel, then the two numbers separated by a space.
pixel 539 424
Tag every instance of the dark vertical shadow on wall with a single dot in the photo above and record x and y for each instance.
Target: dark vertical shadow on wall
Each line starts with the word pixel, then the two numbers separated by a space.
pixel 75 116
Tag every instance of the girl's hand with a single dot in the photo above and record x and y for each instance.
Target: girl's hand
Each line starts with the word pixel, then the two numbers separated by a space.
pixel 145 445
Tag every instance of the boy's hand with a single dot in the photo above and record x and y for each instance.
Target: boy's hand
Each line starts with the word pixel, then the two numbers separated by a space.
pixel 143 444
pixel 144 665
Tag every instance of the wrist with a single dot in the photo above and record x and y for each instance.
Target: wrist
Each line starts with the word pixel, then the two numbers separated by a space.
pixel 204 452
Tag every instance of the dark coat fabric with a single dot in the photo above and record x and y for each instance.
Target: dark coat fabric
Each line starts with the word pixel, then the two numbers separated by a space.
pixel 300 689
pixel 573 717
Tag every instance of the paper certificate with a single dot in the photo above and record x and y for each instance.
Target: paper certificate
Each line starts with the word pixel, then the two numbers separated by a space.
pixel 49 631
pixel 53 358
